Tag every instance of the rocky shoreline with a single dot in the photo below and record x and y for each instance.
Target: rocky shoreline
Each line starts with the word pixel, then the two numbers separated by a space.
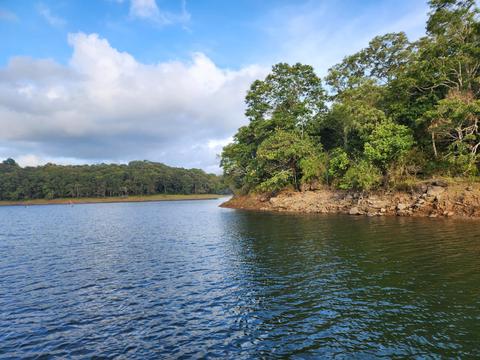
pixel 435 198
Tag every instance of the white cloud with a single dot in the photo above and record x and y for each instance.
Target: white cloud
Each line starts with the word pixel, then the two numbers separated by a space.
pixel 53 20
pixel 148 9
pixel 321 33
pixel 107 106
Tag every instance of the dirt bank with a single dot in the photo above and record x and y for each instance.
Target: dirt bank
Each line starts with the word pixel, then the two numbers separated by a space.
pixel 113 199
pixel 433 198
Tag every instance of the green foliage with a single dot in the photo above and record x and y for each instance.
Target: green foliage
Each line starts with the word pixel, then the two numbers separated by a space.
pixel 314 168
pixel 361 175
pixel 284 112
pixel 381 61
pixel 338 164
pixel 454 126
pixel 137 178
pixel 9 162
pixel 291 96
pixel 282 153
pixel 397 108
pixel 387 143
pixel 464 164
pixel 278 181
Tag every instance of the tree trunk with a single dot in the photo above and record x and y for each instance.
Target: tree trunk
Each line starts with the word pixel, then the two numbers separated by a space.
pixel 434 145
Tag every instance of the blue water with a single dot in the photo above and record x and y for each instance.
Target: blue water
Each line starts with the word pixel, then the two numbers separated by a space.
pixel 191 280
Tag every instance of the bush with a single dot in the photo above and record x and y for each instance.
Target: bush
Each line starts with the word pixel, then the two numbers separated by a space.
pixel 338 163
pixel 387 143
pixel 361 176
pixel 277 182
pixel 463 164
pixel 313 168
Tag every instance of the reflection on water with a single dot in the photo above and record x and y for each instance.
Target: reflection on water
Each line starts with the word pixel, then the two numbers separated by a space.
pixel 188 279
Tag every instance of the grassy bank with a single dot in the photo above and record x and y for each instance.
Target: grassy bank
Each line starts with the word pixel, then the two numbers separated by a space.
pixel 111 199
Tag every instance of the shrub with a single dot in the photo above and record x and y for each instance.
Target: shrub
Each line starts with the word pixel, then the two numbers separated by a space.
pixel 313 168
pixel 361 176
pixel 277 182
pixel 387 143
pixel 338 163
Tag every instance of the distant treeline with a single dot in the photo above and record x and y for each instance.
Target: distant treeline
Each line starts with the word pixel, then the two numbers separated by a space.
pixel 137 178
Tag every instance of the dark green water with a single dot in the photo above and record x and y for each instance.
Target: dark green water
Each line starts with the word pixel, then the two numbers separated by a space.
pixel 191 280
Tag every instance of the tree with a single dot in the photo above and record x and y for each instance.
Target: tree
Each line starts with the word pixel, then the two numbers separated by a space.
pixel 9 162
pixel 352 117
pixel 387 143
pixel 454 125
pixel 381 61
pixel 280 158
pixel 290 97
pixel 137 178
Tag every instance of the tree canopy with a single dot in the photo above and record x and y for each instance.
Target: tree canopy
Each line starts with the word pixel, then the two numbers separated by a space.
pixel 102 180
pixel 395 109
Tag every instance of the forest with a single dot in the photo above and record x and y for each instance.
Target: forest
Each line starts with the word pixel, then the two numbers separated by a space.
pixel 394 112
pixel 103 180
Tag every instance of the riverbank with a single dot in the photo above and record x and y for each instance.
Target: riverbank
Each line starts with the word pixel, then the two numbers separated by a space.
pixel 111 199
pixel 427 199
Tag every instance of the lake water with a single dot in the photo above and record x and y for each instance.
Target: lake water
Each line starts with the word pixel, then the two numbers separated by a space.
pixel 191 280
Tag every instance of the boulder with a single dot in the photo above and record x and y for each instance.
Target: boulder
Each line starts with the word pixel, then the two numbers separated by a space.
pixel 435 190
pixel 401 207
pixel 378 204
pixel 441 183
pixel 355 211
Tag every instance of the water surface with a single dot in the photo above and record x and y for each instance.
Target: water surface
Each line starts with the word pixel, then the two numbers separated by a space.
pixel 191 280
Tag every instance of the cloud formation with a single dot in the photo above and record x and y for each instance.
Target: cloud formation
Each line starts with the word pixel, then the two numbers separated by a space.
pixel 106 105
pixel 148 9
pixel 50 18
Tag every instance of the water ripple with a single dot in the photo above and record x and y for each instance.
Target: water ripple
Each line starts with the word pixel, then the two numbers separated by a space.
pixel 190 280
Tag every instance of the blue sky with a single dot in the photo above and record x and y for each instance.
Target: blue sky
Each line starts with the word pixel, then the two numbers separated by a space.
pixel 111 80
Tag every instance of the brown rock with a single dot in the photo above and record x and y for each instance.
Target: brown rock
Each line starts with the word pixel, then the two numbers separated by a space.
pixel 401 207
pixel 435 191
pixel 440 183
pixel 355 211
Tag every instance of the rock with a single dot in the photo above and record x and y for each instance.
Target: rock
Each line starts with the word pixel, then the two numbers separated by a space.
pixel 383 210
pixel 448 213
pixel 355 211
pixel 432 215
pixel 401 207
pixel 435 191
pixel 423 188
pixel 469 188
pixel 378 204
pixel 440 183
pixel 264 198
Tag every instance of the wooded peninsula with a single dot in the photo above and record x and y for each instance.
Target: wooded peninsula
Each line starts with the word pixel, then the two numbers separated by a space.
pixel 386 118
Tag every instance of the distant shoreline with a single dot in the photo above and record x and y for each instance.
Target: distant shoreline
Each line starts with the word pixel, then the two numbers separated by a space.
pixel 113 199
